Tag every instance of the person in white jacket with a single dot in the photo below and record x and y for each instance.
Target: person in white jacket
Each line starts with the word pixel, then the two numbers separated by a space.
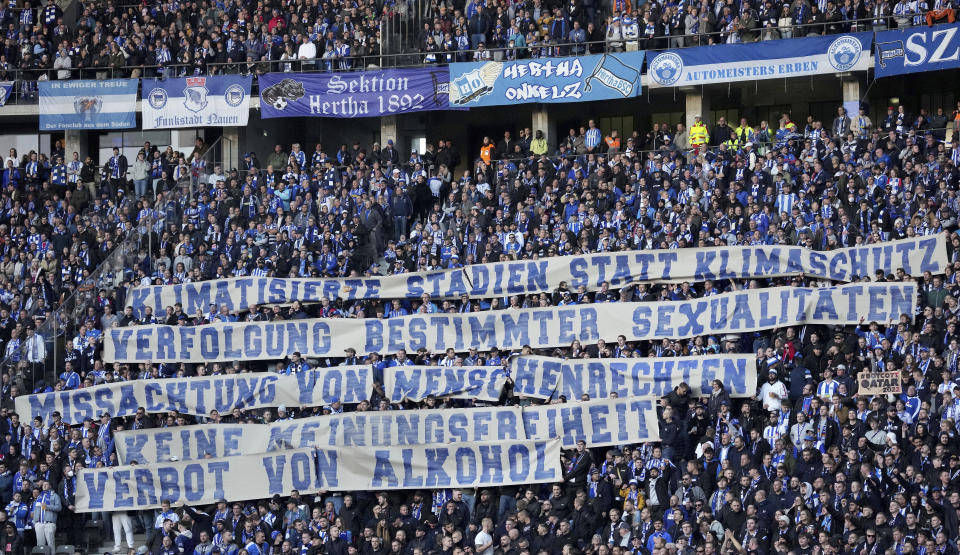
pixel 62 63
pixel 615 36
pixel 307 52
pixel 773 393
pixel 141 175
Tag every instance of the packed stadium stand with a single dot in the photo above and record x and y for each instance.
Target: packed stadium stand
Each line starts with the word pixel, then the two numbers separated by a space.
pixel 245 311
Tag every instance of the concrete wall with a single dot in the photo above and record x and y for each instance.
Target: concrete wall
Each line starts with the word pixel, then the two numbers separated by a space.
pixel 755 100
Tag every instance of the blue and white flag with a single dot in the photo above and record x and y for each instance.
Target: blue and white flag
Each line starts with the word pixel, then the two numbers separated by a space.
pixel 6 89
pixel 569 79
pixel 918 49
pixel 106 104
pixel 200 101
pixel 775 59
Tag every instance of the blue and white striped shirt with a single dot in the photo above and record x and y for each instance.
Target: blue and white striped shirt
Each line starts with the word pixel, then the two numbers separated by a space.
pixel 592 138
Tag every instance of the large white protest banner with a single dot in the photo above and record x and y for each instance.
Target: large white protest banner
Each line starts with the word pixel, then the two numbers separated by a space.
pixel 461 465
pixel 916 256
pixel 236 478
pixel 736 312
pixel 199 396
pixel 632 420
pixel 415 383
pixel 202 482
pixel 399 427
pixel 348 429
pixel 545 377
pixel 188 443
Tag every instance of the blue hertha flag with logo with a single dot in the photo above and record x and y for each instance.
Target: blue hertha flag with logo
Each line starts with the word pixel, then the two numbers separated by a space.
pixel 199 101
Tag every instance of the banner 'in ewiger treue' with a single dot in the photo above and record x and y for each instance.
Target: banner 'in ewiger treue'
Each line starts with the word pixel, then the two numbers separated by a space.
pixel 736 312
pixel 497 279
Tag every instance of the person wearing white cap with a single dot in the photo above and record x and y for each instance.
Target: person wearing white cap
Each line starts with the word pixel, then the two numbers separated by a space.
pixel 615 36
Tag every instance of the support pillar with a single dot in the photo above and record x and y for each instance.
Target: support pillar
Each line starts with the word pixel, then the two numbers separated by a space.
pixel 76 141
pixel 542 121
pixel 389 129
pixel 851 94
pixel 697 104
pixel 230 148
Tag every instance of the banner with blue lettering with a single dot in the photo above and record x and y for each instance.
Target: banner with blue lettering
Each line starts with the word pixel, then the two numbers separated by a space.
pixel 627 419
pixel 570 79
pixel 197 101
pixel 917 49
pixel 549 378
pixel 601 422
pixel 203 482
pixel 735 312
pixel 774 59
pixel 462 465
pixel 191 443
pixel 361 429
pixel 353 95
pixel 6 89
pixel 416 383
pixel 915 256
pixel 95 104
pixel 235 478
pixel 200 395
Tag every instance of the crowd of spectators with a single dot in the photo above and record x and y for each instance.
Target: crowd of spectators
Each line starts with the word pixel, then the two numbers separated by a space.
pixel 807 465
pixel 113 39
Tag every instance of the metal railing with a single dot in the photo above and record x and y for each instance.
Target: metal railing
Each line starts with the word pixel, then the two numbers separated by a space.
pixel 397 53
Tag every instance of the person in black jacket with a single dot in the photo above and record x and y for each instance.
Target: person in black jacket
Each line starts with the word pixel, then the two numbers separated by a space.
pixel 485 508
pixel 10 540
pixel 600 492
pixel 679 399
pixel 199 520
pixel 117 172
pixel 389 155
pixel 336 545
pixel 672 433
pixel 578 468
